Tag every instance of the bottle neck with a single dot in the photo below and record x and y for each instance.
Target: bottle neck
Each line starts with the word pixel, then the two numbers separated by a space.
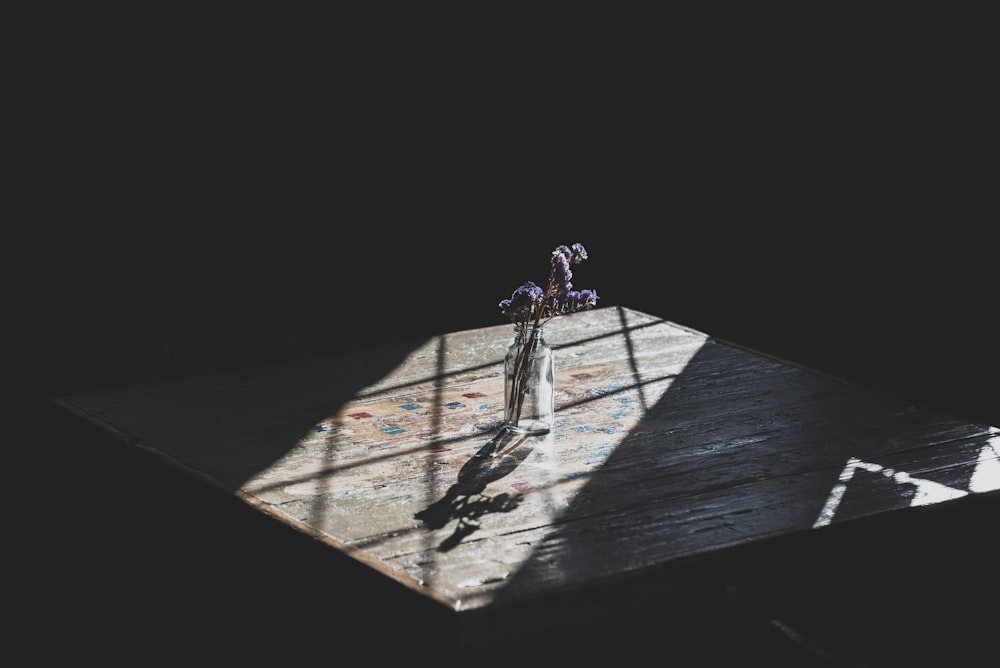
pixel 529 333
pixel 525 329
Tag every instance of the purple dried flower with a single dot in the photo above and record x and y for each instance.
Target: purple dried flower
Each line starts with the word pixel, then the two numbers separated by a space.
pixel 573 301
pixel 530 303
pixel 561 273
pixel 522 304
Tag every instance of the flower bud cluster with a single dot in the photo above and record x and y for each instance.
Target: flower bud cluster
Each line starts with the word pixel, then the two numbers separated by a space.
pixel 531 304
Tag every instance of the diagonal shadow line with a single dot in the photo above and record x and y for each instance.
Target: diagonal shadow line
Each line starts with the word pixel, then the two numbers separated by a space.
pixel 442 376
pixel 337 467
pixel 705 433
pixel 654 413
pixel 286 439
pixel 704 471
pixel 327 474
pixel 319 504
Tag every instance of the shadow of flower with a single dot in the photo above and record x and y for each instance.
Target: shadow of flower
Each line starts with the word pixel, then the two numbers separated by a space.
pixel 466 500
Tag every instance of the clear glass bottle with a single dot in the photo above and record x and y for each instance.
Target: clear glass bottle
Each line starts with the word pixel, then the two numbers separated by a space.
pixel 529 382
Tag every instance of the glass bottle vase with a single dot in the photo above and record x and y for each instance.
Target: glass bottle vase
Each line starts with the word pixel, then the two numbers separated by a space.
pixel 529 382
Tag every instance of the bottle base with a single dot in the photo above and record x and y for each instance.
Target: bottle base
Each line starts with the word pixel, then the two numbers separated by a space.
pixel 528 427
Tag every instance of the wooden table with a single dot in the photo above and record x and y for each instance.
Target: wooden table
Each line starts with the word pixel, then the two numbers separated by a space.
pixel 670 447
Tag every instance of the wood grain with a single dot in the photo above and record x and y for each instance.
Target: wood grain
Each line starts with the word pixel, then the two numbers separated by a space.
pixel 670 446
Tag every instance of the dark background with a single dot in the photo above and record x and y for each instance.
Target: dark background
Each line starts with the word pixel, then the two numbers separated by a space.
pixel 189 203
pixel 198 196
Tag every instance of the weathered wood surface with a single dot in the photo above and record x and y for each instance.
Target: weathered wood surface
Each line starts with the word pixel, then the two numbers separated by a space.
pixel 669 446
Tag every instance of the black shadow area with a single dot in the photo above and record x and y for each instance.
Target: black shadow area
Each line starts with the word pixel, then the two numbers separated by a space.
pixel 133 548
pixel 744 450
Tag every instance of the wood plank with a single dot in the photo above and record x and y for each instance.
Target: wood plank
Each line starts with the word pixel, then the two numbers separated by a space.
pixel 670 446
